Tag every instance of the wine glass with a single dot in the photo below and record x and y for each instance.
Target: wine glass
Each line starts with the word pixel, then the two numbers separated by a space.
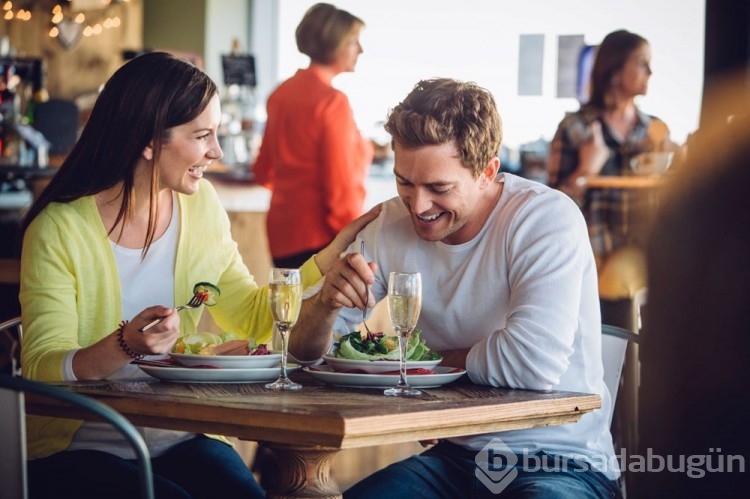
pixel 285 300
pixel 404 305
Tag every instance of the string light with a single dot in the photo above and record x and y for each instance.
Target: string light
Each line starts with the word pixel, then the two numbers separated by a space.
pixel 88 27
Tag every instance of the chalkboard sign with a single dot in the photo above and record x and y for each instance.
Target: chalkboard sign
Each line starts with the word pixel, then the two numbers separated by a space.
pixel 239 69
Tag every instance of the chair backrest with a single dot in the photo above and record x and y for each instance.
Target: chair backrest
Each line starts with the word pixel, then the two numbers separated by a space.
pixel 614 346
pixel 10 346
pixel 13 427
pixel 13 415
pixel 10 278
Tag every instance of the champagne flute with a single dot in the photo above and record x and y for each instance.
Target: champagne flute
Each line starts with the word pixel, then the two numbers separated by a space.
pixel 285 300
pixel 404 305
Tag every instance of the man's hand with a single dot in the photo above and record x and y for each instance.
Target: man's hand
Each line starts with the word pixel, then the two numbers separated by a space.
pixel 347 283
pixel 344 285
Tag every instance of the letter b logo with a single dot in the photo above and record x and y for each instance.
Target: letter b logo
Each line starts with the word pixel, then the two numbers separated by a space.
pixel 496 465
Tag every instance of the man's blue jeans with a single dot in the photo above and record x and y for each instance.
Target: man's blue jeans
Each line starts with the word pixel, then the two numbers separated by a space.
pixel 448 471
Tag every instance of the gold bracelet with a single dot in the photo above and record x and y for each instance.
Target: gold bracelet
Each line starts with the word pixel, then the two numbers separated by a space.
pixel 124 346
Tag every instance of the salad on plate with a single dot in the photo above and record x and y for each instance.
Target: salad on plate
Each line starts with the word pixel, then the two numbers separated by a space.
pixel 378 346
pixel 376 353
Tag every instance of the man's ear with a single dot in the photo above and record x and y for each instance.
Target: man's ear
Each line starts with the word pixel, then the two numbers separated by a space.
pixel 148 152
pixel 490 171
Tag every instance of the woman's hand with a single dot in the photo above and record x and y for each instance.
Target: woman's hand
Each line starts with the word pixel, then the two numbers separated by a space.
pixel 108 355
pixel 593 153
pixel 160 338
pixel 331 253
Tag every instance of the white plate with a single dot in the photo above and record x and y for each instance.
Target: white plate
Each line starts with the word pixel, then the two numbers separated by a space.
pixel 375 366
pixel 227 361
pixel 193 375
pixel 327 375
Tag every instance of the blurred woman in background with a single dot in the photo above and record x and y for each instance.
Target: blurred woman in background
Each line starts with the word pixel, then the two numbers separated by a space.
pixel 602 138
pixel 313 158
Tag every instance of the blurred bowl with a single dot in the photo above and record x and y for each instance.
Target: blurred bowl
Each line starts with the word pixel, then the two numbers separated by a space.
pixel 651 163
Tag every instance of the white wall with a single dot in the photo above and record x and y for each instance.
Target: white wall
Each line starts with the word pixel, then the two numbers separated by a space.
pixel 225 21
pixel 407 40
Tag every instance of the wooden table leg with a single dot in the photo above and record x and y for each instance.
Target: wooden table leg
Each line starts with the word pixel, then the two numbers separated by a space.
pixel 304 472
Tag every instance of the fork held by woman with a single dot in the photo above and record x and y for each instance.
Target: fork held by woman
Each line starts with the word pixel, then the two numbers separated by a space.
pixel 196 301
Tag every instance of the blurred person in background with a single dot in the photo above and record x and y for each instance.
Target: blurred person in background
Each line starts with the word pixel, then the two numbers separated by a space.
pixel 601 138
pixel 696 331
pixel 313 157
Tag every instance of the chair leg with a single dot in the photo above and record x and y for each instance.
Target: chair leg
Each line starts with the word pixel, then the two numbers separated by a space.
pixel 626 313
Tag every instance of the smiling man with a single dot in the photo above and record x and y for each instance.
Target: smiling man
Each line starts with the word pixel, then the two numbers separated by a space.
pixel 509 293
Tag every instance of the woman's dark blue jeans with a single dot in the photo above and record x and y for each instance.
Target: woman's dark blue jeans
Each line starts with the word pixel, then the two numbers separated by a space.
pixel 198 468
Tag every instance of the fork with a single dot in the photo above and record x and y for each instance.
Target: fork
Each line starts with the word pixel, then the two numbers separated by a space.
pixel 367 293
pixel 195 302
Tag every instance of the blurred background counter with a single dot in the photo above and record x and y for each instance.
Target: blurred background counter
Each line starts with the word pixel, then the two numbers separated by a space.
pixel 247 204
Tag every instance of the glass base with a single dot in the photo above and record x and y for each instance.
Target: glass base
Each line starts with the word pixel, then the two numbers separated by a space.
pixel 283 384
pixel 402 391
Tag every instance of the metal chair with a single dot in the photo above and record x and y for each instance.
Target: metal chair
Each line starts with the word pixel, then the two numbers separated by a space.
pixel 615 344
pixel 13 430
pixel 10 278
pixel 10 346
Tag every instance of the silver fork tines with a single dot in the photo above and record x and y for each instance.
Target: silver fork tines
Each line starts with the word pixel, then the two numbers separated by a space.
pixel 195 301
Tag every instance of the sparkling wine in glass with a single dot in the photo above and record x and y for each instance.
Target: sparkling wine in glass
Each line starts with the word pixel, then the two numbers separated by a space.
pixel 285 300
pixel 404 305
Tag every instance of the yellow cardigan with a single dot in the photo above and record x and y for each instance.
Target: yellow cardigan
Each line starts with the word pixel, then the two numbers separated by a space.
pixel 70 291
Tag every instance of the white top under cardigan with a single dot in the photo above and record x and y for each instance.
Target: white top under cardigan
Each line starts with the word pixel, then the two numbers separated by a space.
pixel 522 295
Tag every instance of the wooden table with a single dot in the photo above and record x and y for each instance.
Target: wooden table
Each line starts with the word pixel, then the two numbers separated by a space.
pixel 624 182
pixel 306 429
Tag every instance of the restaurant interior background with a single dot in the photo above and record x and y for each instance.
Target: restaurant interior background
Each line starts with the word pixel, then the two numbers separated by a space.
pixel 476 40
pixel 480 40
pixel 404 41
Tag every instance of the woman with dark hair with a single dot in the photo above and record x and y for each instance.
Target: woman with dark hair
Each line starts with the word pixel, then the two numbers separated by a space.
pixel 313 158
pixel 129 222
pixel 601 139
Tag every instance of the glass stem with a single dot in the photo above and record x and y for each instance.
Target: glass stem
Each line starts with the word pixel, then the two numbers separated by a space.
pixel 403 343
pixel 282 335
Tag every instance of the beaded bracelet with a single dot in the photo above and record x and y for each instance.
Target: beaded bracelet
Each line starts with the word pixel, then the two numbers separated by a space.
pixel 124 346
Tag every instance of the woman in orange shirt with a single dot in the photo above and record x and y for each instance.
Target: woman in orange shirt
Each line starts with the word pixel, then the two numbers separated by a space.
pixel 313 158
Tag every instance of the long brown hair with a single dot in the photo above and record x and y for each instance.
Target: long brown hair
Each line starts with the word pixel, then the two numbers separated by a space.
pixel 138 106
pixel 611 56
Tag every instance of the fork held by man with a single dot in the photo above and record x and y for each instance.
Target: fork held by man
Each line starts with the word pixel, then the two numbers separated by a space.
pixel 367 294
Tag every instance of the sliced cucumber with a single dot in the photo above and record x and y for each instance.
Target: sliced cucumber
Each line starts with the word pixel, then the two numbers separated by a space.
pixel 209 291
